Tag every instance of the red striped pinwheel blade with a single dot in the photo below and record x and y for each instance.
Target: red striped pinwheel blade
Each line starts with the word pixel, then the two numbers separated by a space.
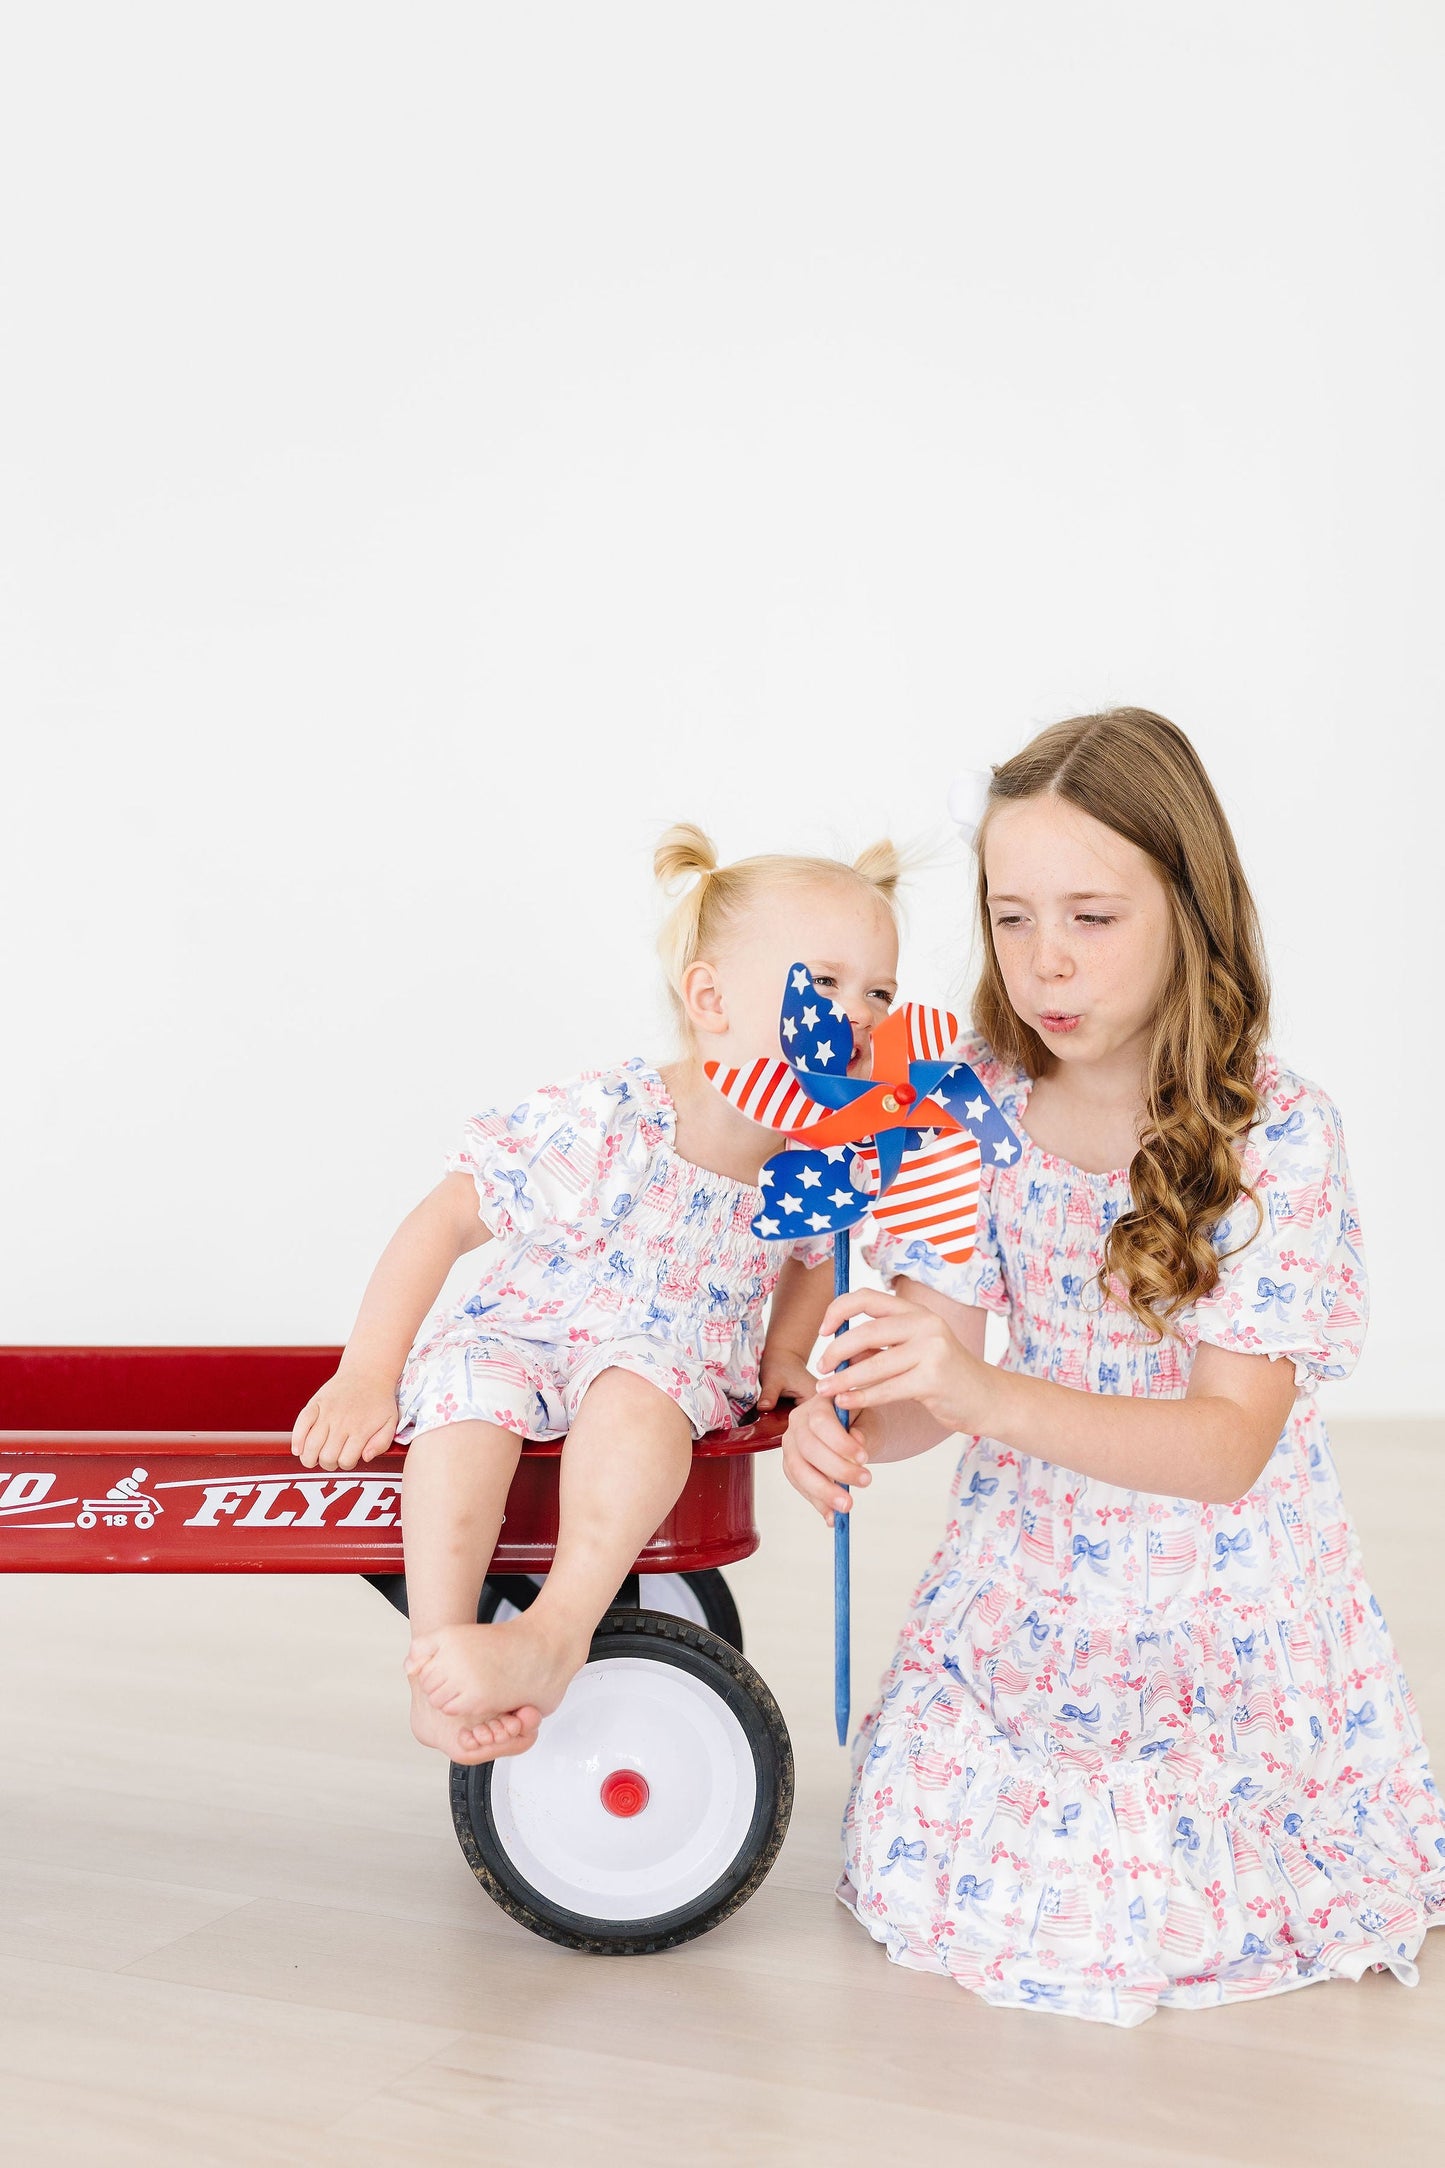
pixel 934 1198
pixel 931 1032
pixel 767 1092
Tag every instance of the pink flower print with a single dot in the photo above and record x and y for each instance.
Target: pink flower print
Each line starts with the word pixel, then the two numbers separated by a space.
pixel 446 1408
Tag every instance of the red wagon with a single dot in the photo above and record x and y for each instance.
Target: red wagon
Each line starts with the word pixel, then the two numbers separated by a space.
pixel 656 1797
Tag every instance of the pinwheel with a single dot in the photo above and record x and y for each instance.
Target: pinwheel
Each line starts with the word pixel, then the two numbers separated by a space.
pixel 906 1144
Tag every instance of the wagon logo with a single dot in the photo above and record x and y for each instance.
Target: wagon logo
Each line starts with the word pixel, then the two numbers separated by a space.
pixel 125 1502
pixel 268 1501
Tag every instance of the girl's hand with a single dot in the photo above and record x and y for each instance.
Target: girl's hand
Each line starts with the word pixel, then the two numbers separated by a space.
pixel 819 1456
pixel 785 1376
pixel 353 1417
pixel 897 1350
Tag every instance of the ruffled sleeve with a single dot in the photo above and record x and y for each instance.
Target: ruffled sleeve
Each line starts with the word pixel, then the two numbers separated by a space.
pixel 571 1152
pixel 979 1282
pixel 1294 1284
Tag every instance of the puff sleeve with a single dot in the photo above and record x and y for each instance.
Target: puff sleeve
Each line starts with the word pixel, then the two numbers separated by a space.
pixel 570 1152
pixel 1295 1283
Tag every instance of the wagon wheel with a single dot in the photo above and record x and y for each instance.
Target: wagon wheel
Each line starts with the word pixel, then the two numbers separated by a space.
pixel 704 1599
pixel 692 1802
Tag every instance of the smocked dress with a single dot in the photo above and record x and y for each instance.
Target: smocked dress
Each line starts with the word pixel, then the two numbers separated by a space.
pixel 1134 1750
pixel 611 1253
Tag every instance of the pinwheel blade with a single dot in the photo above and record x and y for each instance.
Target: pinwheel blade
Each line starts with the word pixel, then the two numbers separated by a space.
pixel 965 1098
pixel 934 1199
pixel 807 1192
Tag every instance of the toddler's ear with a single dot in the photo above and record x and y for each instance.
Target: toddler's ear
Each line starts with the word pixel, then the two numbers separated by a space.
pixel 702 999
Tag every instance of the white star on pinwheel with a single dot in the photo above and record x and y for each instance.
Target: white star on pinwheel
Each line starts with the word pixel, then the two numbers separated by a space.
pixel 767 1227
pixel 839 1011
pixel 791 1204
pixel 835 1152
pixel 809 1177
pixel 841 1197
pixel 973 1108
pixel 1005 1151
pixel 928 1136
pixel 810 1017
pixel 800 980
pixel 823 1051
pixel 765 1179
pixel 817 1222
pixel 790 1027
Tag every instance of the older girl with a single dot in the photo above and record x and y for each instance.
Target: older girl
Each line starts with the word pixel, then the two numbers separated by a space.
pixel 1145 1738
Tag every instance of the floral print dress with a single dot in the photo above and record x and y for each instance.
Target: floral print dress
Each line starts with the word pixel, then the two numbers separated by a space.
pixel 1133 1749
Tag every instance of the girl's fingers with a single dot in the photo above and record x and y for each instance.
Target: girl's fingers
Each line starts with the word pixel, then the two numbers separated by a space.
pixel 888 1363
pixel 863 1302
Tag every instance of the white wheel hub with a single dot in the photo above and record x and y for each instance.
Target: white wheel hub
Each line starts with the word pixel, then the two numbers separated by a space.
pixel 628 1716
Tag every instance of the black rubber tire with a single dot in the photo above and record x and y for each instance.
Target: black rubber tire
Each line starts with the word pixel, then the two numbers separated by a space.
pixel 709 1658
pixel 714 1598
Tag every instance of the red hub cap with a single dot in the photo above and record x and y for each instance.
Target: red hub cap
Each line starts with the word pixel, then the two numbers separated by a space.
pixel 624 1792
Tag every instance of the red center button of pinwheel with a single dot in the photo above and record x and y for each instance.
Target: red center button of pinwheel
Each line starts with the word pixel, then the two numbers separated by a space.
pixel 897 1097
pixel 625 1792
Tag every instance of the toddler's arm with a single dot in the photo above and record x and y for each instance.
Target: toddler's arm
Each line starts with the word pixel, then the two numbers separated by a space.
pixel 354 1415
pixel 801 1296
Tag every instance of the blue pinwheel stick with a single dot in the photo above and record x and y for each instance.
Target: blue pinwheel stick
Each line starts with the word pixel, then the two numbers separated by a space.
pixel 905 1144
pixel 842 1583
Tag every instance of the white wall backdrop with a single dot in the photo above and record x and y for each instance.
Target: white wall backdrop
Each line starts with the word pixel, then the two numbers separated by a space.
pixel 445 443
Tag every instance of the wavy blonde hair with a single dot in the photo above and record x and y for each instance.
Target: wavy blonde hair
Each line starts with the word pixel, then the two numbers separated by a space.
pixel 1138 774
pixel 707 913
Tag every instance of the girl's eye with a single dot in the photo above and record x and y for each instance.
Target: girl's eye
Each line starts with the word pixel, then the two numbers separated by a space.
pixel 1095 918
pixel 881 995
pixel 823 979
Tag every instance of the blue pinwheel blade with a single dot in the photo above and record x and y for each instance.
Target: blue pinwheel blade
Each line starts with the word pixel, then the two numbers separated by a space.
pixel 807 1192
pixel 965 1098
pixel 816 1034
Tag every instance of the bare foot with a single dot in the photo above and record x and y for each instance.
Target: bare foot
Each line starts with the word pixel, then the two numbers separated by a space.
pixel 482 1675
pixel 512 1733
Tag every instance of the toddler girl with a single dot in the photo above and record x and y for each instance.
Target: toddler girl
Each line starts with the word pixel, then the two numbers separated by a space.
pixel 1145 1738
pixel 622 1300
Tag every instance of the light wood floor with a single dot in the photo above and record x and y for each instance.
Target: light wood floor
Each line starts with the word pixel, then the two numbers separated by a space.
pixel 235 1925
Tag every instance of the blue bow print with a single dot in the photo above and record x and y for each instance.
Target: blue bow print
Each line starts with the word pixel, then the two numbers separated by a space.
pixel 972 1891
pixel 1317 1731
pixel 1273 1291
pixel 1362 1719
pixel 1038 1634
pixel 1253 1947
pixel 898 1850
pixel 1293 1824
pixel 1186 1834
pixel 1040 1991
pixel 1136 1910
pixel 1067 1818
pixel 1108 1375
pixel 1245 1647
pixel 1155 1746
pixel 1291 1126
pixel 1080 1716
pixel 1246 1788
pixel 982 1486
pixel 1224 1544
pixel 1096 1553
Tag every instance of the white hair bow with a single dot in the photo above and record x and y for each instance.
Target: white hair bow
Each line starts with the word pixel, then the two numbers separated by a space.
pixel 967 797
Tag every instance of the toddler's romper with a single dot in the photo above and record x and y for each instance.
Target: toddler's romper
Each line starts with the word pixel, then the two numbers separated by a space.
pixel 1133 1749
pixel 611 1253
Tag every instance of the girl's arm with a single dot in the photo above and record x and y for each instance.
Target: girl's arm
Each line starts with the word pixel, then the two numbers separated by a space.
pixel 819 1454
pixel 354 1415
pixel 1212 1445
pixel 795 1320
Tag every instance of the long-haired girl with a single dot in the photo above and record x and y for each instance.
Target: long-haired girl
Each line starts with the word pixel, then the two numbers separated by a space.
pixel 1145 1738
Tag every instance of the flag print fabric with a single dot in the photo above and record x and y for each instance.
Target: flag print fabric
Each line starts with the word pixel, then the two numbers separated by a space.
pixel 1153 1751
pixel 611 1252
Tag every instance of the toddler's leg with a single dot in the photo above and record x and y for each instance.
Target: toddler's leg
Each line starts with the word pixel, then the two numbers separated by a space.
pixel 453 1496
pixel 625 1461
